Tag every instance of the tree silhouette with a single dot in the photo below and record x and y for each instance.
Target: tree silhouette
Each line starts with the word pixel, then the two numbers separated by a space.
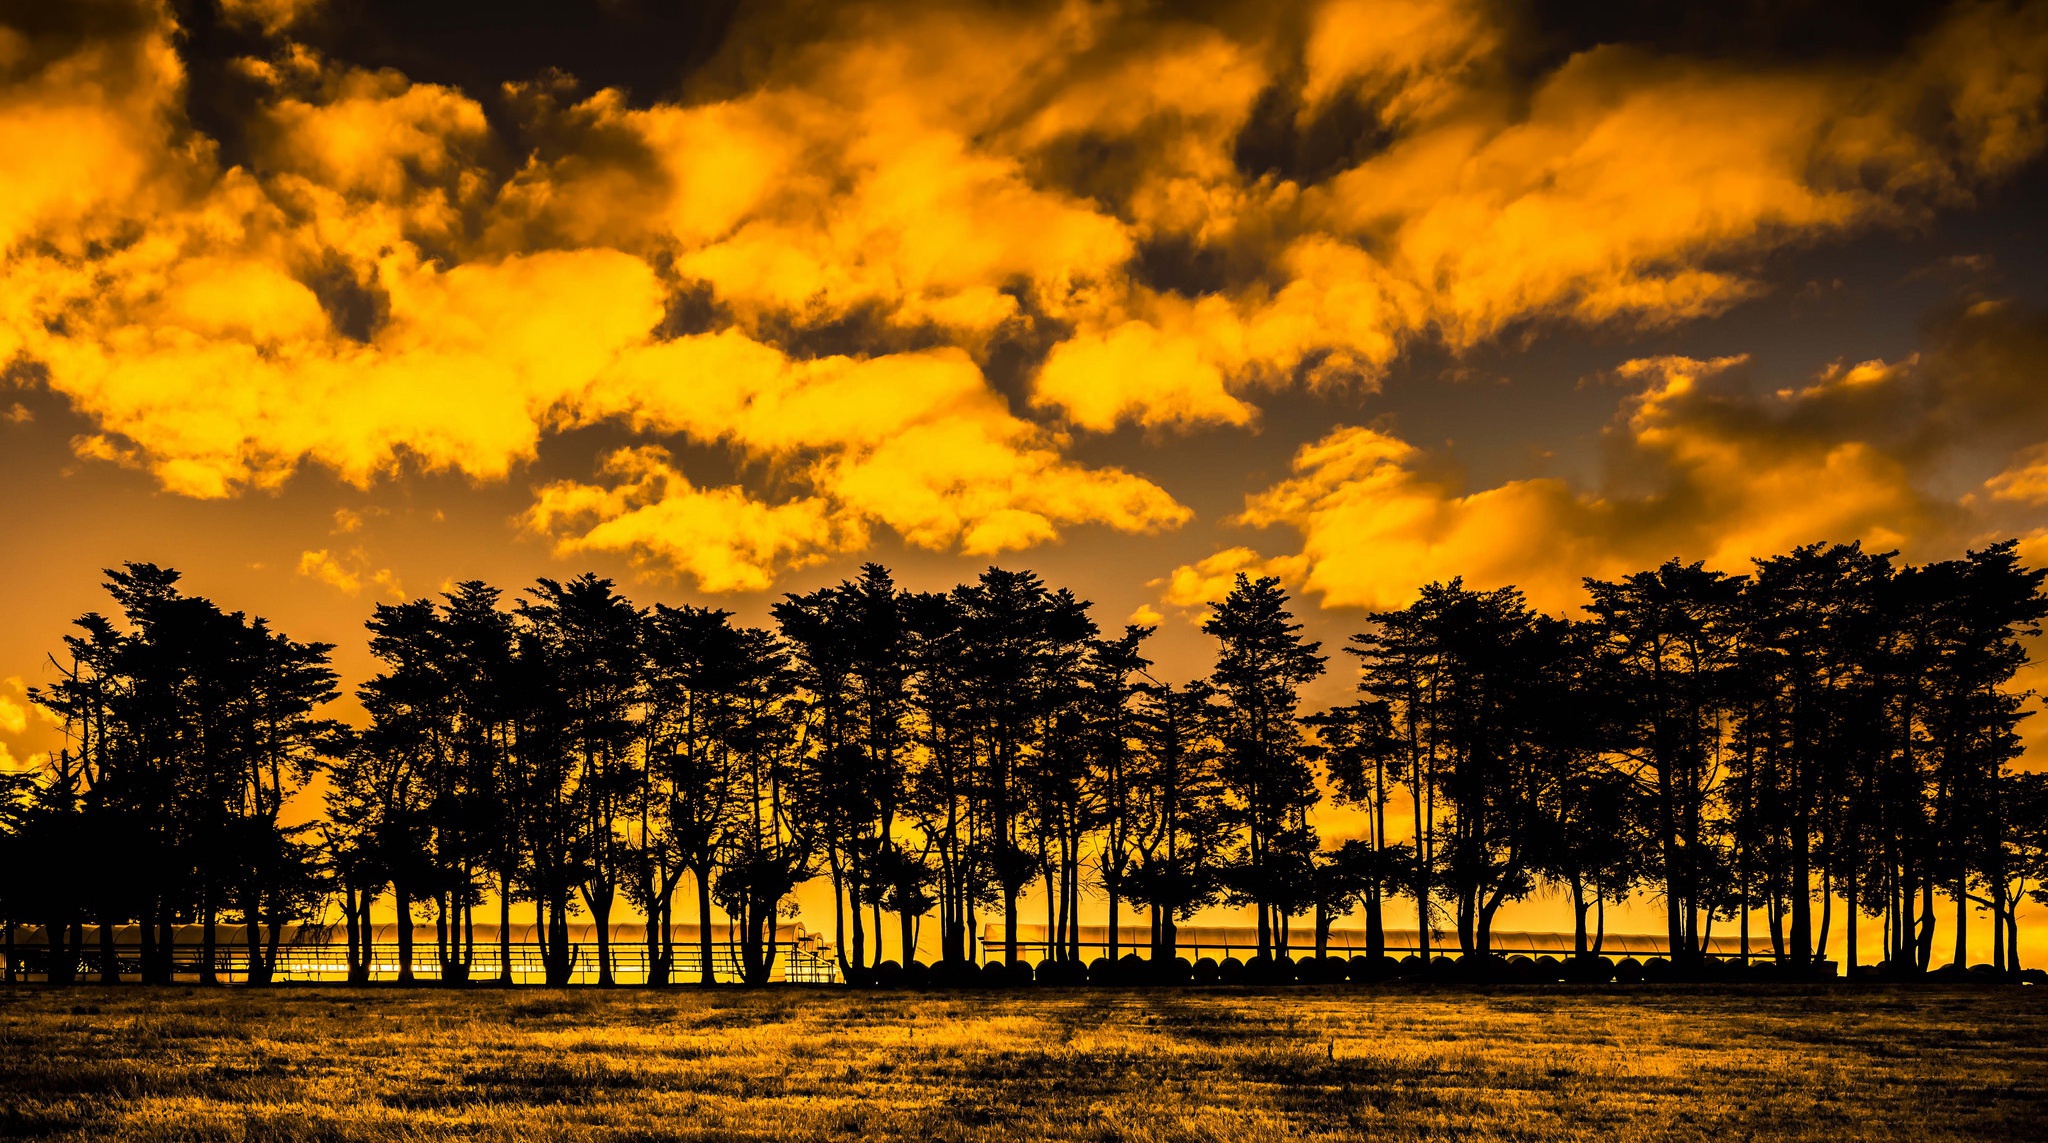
pixel 1364 758
pixel 1180 831
pixel 1828 741
pixel 943 795
pixel 847 642
pixel 1017 642
pixel 590 635
pixel 1261 664
pixel 1669 639
pixel 187 729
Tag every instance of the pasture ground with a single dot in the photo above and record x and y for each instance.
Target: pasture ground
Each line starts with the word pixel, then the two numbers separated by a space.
pixel 1835 1063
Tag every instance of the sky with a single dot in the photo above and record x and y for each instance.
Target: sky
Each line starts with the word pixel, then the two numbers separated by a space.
pixel 330 302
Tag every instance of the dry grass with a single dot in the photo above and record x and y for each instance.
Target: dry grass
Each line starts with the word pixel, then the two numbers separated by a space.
pixel 1838 1064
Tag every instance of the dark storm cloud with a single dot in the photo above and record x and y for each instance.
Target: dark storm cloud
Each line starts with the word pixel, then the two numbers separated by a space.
pixel 1777 31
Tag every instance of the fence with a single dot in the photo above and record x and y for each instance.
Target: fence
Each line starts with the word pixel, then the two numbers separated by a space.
pixel 319 953
pixel 1220 941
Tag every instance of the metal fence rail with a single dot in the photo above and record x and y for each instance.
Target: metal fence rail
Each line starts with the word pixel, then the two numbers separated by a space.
pixel 1220 941
pixel 320 954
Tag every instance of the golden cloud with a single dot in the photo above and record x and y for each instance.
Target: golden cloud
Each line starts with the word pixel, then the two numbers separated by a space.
pixel 1624 188
pixel 1412 56
pixel 462 375
pixel 723 538
pixel 819 265
pixel 914 441
pixel 1195 587
pixel 1699 467
pixel 13 715
pixel 2026 482
pixel 22 726
pixel 348 572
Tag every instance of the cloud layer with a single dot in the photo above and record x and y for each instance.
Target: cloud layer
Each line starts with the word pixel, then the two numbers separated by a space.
pixel 1703 460
pixel 899 263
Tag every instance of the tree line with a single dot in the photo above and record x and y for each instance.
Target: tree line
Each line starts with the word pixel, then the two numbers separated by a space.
pixel 1829 740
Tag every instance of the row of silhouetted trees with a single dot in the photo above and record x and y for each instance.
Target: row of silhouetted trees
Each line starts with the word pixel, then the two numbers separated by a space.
pixel 1829 741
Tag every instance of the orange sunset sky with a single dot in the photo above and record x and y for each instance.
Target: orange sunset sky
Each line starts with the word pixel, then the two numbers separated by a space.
pixel 327 302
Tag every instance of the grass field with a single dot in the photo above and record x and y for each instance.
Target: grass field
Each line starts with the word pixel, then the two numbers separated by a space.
pixel 1816 1063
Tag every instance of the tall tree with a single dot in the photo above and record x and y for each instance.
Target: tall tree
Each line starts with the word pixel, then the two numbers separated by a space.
pixel 189 730
pixel 698 670
pixel 478 642
pixel 1018 642
pixel 942 794
pixel 1807 615
pixel 1261 665
pixel 1364 757
pixel 1112 677
pixel 849 646
pixel 770 843
pixel 401 758
pixel 1670 638
pixel 591 633
pixel 1180 828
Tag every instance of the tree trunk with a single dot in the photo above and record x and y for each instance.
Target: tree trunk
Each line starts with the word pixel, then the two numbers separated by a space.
pixel 1578 915
pixel 352 928
pixel 707 974
pixel 444 950
pixel 1827 917
pixel 657 972
pixel 60 970
pixel 1055 929
pixel 110 957
pixel 858 956
pixel 838 910
pixel 209 946
pixel 1114 917
pixel 1009 922
pixel 1743 929
pixel 1801 902
pixel 599 896
pixel 1375 932
pixel 505 929
pixel 1924 945
pixel 369 932
pixel 561 959
pixel 167 947
pixel 1849 925
pixel 1962 923
pixel 252 926
pixel 404 900
pixel 275 934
